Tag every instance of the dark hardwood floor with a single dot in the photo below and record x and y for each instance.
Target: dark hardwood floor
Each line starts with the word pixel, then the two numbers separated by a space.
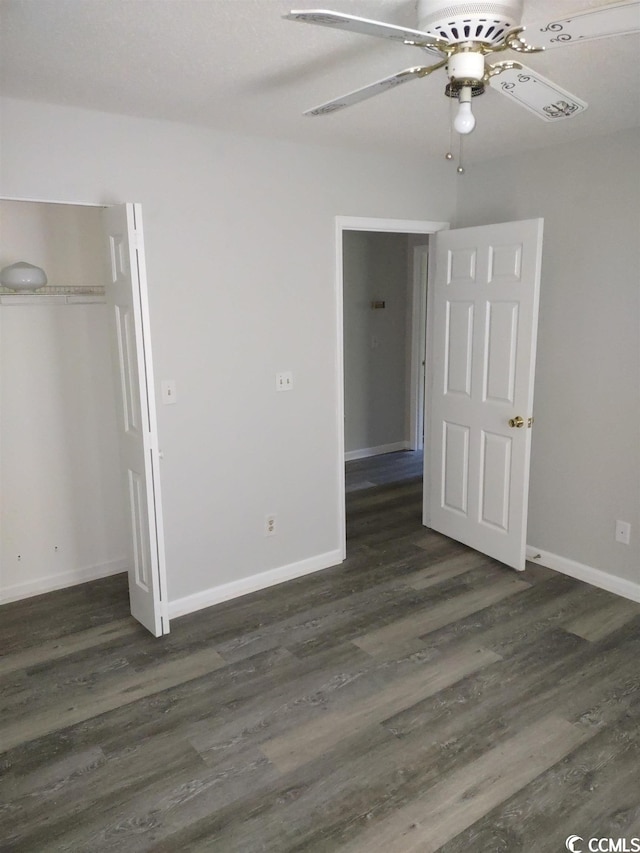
pixel 420 697
pixel 387 468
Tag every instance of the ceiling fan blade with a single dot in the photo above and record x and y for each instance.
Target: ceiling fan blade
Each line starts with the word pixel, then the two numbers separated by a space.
pixel 365 26
pixel 537 94
pixel 614 20
pixel 373 89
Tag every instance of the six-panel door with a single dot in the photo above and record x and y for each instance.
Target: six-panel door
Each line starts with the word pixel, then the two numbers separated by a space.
pixel 484 305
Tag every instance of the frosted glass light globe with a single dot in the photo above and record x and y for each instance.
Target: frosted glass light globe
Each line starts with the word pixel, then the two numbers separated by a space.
pixel 23 276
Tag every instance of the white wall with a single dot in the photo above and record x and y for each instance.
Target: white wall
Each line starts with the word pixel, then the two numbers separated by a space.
pixel 240 247
pixel 375 363
pixel 585 470
pixel 61 516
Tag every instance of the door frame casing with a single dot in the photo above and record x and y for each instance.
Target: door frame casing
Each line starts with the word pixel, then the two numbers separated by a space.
pixel 56 201
pixel 359 223
pixel 417 343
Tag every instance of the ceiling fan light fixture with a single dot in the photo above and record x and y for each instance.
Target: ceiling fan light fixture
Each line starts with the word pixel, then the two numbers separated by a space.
pixel 462 34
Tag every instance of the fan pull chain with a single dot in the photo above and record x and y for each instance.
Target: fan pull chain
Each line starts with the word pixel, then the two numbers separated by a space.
pixel 449 154
pixel 460 168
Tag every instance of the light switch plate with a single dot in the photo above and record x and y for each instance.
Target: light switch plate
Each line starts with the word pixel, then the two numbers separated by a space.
pixel 168 387
pixel 284 381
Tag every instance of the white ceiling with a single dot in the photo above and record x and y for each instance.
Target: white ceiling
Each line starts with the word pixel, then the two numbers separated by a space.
pixel 236 65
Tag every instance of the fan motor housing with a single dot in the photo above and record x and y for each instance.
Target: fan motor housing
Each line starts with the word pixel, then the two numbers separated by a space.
pixel 461 22
pixel 466 67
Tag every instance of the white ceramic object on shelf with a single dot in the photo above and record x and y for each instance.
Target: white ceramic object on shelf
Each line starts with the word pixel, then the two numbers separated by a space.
pixel 23 277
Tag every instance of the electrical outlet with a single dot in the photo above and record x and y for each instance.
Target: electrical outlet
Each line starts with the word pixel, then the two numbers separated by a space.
pixel 270 525
pixel 623 532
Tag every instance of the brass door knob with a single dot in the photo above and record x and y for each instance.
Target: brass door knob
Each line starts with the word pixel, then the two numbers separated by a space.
pixel 516 422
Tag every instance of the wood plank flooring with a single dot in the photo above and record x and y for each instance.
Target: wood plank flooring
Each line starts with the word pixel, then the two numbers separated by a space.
pixel 386 468
pixel 420 697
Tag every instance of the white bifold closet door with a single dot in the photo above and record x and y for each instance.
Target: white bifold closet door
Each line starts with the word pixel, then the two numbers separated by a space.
pixel 126 293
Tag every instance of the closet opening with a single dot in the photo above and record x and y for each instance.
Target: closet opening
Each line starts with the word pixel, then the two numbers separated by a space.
pixel 62 515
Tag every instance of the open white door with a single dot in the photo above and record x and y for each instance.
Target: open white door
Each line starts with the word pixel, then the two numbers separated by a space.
pixel 483 292
pixel 126 293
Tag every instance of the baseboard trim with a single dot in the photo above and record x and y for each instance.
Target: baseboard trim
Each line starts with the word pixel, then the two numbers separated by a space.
pixel 234 589
pixel 596 577
pixel 365 452
pixel 62 581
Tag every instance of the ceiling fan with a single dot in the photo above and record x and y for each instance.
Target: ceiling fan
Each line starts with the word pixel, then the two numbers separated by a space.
pixel 465 37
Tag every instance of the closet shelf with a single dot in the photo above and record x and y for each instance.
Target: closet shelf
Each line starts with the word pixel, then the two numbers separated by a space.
pixel 54 296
